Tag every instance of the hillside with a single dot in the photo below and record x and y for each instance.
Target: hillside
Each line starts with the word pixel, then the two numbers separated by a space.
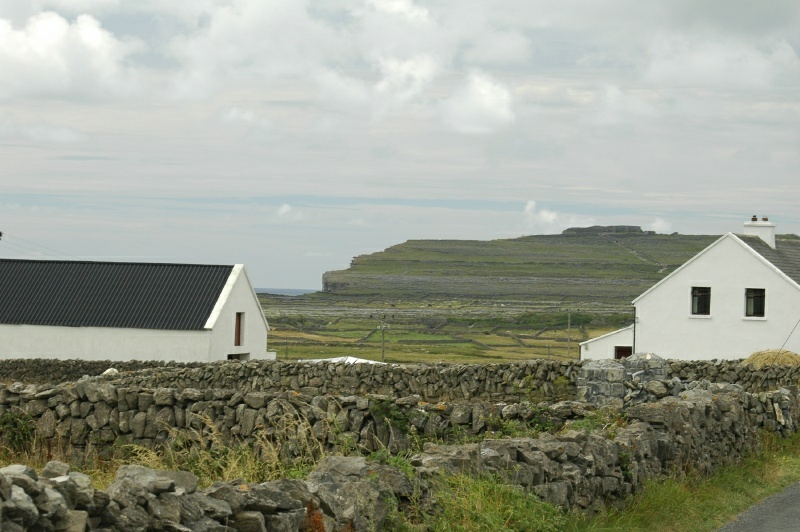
pixel 603 267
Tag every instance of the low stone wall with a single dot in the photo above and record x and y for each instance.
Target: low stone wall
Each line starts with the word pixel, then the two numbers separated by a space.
pixel 98 414
pixel 529 380
pixel 703 428
pixel 142 499
pixel 512 382
pixel 50 371
pixel 733 372
pixel 586 465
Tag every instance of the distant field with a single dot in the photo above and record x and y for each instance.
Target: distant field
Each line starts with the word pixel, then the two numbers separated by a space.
pixel 444 331
pixel 478 301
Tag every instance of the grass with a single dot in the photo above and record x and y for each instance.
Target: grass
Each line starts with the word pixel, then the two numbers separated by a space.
pixel 469 503
pixel 453 331
pixel 704 504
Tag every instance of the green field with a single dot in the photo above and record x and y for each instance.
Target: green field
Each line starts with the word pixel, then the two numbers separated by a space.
pixel 323 326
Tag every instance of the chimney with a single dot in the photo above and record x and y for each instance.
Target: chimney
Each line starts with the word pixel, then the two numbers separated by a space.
pixel 764 229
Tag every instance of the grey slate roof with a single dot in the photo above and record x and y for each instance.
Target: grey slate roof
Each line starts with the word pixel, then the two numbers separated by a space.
pixel 109 294
pixel 785 256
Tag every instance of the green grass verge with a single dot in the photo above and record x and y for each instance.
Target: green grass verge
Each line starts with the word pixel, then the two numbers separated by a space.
pixel 695 503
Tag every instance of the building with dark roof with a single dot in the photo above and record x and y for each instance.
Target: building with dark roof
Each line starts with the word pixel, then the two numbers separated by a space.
pixel 129 311
pixel 739 295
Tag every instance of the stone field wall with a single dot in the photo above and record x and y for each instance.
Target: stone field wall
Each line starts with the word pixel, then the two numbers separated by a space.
pixel 530 380
pixel 659 420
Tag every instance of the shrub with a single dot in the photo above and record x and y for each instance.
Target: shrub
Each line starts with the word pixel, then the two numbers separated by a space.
pixel 17 431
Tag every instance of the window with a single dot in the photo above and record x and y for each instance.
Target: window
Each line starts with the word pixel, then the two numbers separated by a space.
pixel 701 300
pixel 238 333
pixel 622 352
pixel 754 299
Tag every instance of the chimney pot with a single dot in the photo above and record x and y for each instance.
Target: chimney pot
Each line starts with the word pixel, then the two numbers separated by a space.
pixel 764 219
pixel 754 218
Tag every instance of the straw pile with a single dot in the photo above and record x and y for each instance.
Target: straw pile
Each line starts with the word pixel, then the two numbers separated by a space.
pixel 772 357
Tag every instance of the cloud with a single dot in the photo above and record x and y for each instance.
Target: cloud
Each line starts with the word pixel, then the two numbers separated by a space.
pixel 404 8
pixel 246 40
pixel 541 216
pixel 81 6
pixel 619 107
pixel 402 80
pixel 287 212
pixel 38 132
pixel 53 57
pixel 659 225
pixel 500 48
pixel 686 62
pixel 479 107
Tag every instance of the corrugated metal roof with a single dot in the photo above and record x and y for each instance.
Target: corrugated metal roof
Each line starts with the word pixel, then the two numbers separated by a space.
pixel 785 256
pixel 109 294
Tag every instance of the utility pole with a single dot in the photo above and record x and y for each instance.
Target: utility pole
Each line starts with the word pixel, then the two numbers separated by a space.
pixel 569 333
pixel 383 326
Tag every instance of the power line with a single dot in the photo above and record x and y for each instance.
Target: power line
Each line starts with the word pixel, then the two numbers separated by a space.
pixel 28 249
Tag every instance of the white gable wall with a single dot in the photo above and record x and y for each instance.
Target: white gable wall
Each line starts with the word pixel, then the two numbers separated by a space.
pixel 604 346
pixel 666 327
pixel 238 296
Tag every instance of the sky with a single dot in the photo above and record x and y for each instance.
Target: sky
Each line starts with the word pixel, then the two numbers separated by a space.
pixel 293 135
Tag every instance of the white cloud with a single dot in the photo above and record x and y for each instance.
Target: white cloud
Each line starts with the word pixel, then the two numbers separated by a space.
pixel 481 106
pixel 502 48
pixel 81 6
pixel 246 40
pixel 39 132
pixel 686 62
pixel 659 225
pixel 51 56
pixel 541 219
pixel 236 115
pixel 618 106
pixel 287 212
pixel 402 80
pixel 404 8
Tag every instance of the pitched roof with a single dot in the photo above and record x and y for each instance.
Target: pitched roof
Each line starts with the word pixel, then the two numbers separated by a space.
pixel 785 256
pixel 109 294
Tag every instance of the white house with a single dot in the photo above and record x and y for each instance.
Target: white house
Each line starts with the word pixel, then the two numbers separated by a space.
pixel 129 311
pixel 739 295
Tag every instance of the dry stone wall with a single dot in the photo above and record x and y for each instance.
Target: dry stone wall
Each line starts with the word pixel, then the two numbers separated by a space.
pixel 513 382
pixel 142 499
pixel 534 379
pixel 584 465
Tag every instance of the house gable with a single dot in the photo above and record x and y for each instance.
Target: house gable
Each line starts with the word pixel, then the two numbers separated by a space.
pixel 785 262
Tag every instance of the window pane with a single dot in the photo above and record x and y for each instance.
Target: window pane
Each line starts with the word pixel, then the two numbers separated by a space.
pixel 701 300
pixel 755 299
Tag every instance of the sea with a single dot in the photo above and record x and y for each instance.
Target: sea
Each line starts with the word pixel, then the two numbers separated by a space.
pixel 286 291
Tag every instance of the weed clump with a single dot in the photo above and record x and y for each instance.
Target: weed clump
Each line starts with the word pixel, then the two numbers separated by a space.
pixel 769 357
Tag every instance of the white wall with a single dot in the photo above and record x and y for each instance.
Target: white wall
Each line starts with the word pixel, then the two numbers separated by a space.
pixel 240 298
pixel 102 343
pixel 603 346
pixel 666 327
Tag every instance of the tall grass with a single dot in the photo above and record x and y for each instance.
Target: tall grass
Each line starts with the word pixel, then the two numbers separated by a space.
pixel 705 503
pixel 290 452
pixel 287 449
